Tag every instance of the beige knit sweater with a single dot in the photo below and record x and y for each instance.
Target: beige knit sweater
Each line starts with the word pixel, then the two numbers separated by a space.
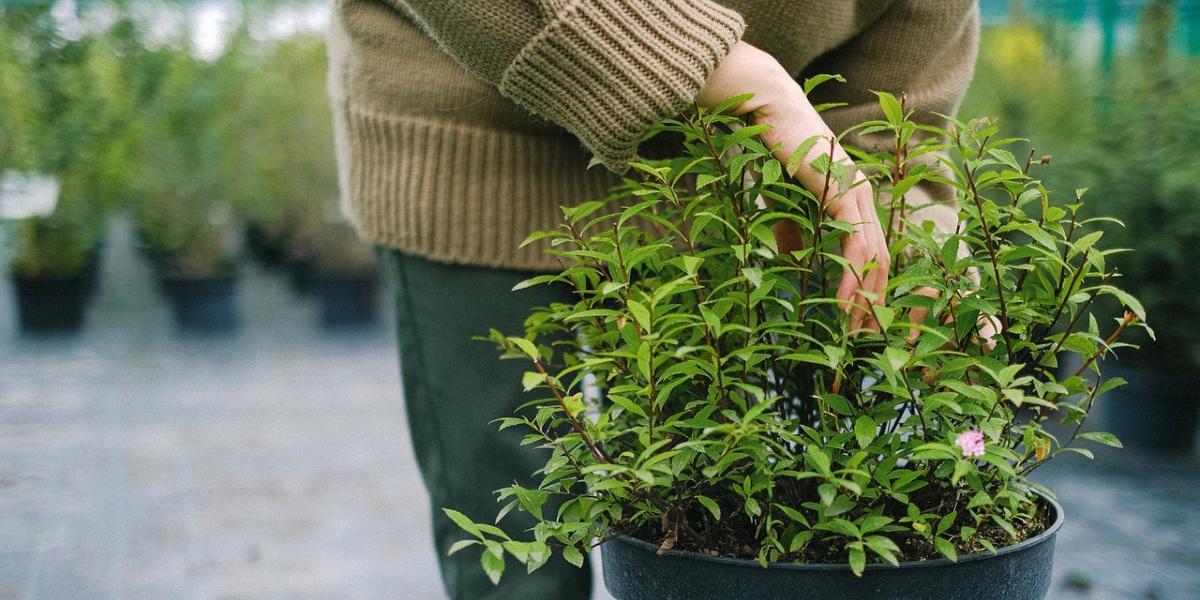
pixel 462 125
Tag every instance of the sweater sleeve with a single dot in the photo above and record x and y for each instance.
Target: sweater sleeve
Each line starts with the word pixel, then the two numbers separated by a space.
pixel 605 70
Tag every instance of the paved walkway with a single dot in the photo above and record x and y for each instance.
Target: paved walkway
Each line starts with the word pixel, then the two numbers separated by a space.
pixel 275 465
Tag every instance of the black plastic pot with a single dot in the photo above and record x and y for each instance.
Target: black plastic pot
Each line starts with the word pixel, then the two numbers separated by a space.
pixel 91 271
pixel 1156 410
pixel 203 304
pixel 51 304
pixel 634 571
pixel 346 300
pixel 269 250
pixel 300 273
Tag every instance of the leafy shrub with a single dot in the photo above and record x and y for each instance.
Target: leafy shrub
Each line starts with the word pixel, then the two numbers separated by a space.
pixel 287 141
pixel 705 392
pixel 1125 123
pixel 191 171
pixel 68 108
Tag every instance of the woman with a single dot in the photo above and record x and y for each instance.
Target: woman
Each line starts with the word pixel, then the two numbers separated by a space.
pixel 462 126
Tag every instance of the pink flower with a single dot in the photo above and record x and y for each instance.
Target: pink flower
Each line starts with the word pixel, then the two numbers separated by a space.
pixel 971 442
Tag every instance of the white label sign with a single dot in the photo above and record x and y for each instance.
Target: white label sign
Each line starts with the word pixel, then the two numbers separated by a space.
pixel 25 194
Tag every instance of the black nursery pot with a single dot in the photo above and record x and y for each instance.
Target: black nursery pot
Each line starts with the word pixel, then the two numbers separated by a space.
pixel 346 300
pixel 265 248
pixel 1155 410
pixel 203 304
pixel 634 571
pixel 300 274
pixel 51 304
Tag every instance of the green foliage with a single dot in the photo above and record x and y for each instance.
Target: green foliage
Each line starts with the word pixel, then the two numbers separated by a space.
pixel 1128 127
pixel 288 141
pixel 68 107
pixel 189 145
pixel 191 172
pixel 705 392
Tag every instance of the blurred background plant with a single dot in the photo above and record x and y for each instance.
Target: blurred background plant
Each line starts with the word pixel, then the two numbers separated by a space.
pixel 1109 90
pixel 73 117
pixel 197 136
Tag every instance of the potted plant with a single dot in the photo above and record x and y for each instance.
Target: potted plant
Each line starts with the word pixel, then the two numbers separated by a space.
pixel 68 115
pixel 287 192
pixel 708 416
pixel 52 273
pixel 185 215
pixel 196 269
pixel 345 280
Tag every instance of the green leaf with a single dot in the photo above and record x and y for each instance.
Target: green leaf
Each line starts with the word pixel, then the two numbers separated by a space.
pixel 711 505
pixel 626 404
pixel 884 316
pixel 946 522
pixel 827 492
pixel 574 404
pixel 811 83
pixel 884 547
pixel 771 172
pixel 800 152
pixel 464 522
pixel 1128 300
pixel 526 346
pixel 643 360
pixel 945 548
pixel 799 541
pixel 1101 437
pixel 540 279
pixel 641 314
pixel 897 359
pixel 573 555
pixel 731 102
pixel 746 132
pixel 891 108
pixel 1109 384
pixel 519 550
pixel 460 544
pixel 864 430
pixel 819 459
pixel 493 565
pixel 858 561
pixel 532 379
pixel 754 276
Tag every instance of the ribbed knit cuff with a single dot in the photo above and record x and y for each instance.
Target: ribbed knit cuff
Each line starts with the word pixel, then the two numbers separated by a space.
pixel 607 70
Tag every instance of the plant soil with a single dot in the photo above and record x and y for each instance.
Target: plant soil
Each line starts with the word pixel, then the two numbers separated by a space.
pixel 735 536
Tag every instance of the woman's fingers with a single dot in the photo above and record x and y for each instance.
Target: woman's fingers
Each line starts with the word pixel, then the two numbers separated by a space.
pixel 876 276
pixel 989 329
pixel 859 287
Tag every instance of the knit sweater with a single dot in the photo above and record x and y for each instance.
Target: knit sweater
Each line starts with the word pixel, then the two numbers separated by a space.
pixel 462 125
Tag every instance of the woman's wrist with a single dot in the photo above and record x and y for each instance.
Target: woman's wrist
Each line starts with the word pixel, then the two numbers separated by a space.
pixel 746 69
pixel 779 101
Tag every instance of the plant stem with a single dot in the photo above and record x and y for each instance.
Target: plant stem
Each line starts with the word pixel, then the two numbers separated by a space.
pixel 587 439
pixel 991 248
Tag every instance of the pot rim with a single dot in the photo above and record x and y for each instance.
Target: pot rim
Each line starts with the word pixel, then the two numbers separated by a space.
pixel 1050 531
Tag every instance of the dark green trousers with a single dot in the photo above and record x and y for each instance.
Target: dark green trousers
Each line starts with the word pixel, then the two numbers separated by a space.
pixel 453 387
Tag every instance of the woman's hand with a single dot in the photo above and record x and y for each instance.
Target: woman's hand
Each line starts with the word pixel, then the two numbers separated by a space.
pixel 781 103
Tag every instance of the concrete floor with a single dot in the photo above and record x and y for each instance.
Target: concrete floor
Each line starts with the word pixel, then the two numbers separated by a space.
pixel 275 464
